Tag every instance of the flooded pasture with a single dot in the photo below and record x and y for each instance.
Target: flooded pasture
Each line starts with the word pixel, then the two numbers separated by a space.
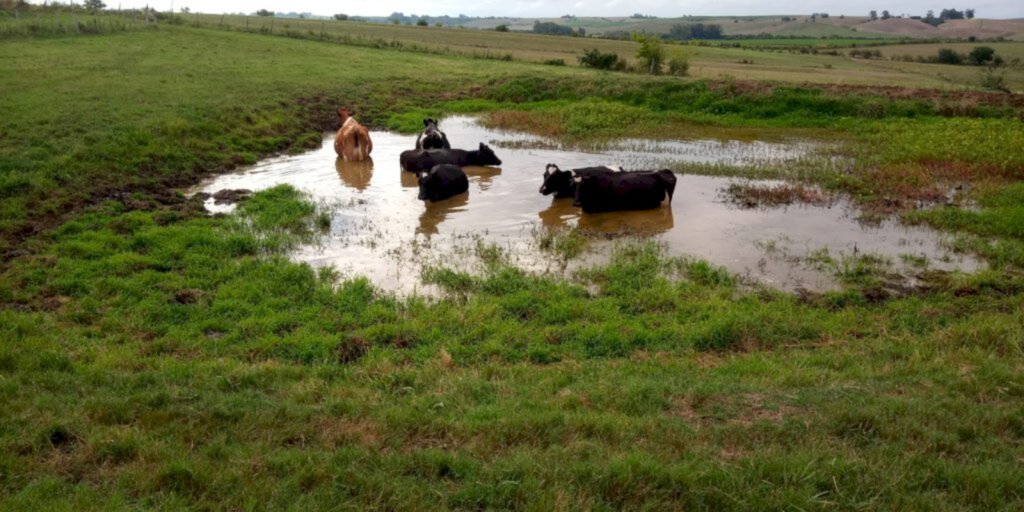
pixel 382 231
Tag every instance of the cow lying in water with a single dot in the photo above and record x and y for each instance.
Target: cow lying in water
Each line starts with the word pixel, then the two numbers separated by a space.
pixel 441 182
pixel 416 160
pixel 353 139
pixel 624 191
pixel 432 137
pixel 561 183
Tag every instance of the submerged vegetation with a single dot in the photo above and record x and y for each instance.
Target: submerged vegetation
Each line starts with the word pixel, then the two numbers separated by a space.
pixel 155 357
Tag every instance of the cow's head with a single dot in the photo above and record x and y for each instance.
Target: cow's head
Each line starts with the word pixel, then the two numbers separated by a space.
pixel 431 138
pixel 487 156
pixel 428 122
pixel 344 113
pixel 556 181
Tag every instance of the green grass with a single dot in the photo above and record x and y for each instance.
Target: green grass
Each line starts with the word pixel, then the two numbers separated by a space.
pixel 152 357
pixel 189 363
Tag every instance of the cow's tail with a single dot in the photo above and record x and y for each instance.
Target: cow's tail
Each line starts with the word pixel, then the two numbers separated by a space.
pixel 669 178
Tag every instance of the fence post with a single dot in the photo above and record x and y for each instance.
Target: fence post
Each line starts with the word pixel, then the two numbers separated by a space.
pixel 271 24
pixel 246 23
pixel 322 25
pixel 221 21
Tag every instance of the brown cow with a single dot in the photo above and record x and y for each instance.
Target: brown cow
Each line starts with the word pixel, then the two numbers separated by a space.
pixel 353 140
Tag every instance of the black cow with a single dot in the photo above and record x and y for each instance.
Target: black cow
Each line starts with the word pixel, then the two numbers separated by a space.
pixel 441 182
pixel 624 191
pixel 561 183
pixel 416 160
pixel 432 137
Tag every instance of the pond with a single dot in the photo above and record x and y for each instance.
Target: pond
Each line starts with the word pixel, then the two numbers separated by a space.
pixel 382 231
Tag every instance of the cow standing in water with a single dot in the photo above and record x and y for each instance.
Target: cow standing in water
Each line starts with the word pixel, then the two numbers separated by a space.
pixel 416 160
pixel 441 182
pixel 353 140
pixel 563 183
pixel 432 136
pixel 614 191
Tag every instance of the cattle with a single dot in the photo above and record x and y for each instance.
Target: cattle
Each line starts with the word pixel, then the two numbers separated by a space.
pixel 417 160
pixel 624 191
pixel 441 182
pixel 561 183
pixel 432 137
pixel 353 139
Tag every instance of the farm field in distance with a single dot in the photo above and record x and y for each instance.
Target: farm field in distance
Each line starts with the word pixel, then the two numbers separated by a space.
pixel 153 356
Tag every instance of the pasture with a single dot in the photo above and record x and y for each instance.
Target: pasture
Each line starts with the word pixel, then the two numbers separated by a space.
pixel 705 61
pixel 155 357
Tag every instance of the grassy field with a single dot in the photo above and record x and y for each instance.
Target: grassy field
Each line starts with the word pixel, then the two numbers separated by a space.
pixel 706 62
pixel 153 357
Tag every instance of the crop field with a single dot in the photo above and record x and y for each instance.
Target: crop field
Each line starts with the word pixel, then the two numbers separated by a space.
pixel 156 357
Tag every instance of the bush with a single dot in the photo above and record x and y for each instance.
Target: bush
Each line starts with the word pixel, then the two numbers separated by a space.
pixel 994 81
pixel 555 62
pixel 981 55
pixel 501 28
pixel 678 66
pixel 594 58
pixel 948 56
pixel 651 53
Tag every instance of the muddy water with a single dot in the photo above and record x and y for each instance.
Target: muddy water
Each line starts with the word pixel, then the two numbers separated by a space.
pixel 381 231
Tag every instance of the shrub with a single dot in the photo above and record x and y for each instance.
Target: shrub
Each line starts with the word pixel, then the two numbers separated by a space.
pixel 594 58
pixel 948 56
pixel 555 62
pixel 678 66
pixel 501 28
pixel 651 53
pixel 981 55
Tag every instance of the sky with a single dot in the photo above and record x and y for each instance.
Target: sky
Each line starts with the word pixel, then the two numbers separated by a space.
pixel 555 8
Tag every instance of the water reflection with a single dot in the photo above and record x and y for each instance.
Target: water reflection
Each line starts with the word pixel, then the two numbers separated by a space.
pixel 356 175
pixel 408 179
pixel 562 213
pixel 482 176
pixel 435 212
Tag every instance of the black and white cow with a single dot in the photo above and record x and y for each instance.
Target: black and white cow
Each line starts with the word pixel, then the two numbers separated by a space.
pixel 432 136
pixel 441 182
pixel 624 191
pixel 416 160
pixel 561 183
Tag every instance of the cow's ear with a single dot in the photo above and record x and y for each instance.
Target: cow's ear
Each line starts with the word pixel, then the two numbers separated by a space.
pixel 424 174
pixel 577 179
pixel 426 122
pixel 482 146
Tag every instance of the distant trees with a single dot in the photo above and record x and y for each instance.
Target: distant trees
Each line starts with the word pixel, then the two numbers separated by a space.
pixel 501 28
pixel 94 5
pixel 873 15
pixel 552 28
pixel 681 32
pixel 422 22
pixel 341 17
pixel 886 15
pixel 264 12
pixel 947 14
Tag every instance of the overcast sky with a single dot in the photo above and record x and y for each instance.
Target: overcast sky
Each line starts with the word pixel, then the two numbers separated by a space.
pixel 554 8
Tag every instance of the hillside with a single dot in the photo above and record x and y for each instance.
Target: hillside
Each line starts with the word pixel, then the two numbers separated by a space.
pixel 804 26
